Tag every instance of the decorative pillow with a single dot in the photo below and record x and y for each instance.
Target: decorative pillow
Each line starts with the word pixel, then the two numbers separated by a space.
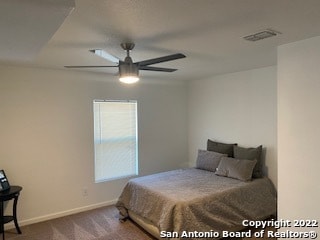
pixel 236 168
pixel 250 154
pixel 221 147
pixel 207 160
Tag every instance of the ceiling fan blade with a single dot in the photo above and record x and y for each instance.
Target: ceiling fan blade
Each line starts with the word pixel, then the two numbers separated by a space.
pixel 88 66
pixel 161 59
pixel 148 68
pixel 105 55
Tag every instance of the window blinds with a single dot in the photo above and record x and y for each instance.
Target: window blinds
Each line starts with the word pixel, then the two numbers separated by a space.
pixel 115 139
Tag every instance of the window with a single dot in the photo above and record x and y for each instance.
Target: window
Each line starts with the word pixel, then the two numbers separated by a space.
pixel 115 139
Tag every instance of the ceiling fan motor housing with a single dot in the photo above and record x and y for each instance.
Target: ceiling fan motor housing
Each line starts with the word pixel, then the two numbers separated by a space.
pixel 128 69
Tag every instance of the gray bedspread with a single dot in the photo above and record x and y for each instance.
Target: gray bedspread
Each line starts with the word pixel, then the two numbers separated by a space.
pixel 197 200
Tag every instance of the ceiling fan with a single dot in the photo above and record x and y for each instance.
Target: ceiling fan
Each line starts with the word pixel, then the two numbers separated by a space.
pixel 129 70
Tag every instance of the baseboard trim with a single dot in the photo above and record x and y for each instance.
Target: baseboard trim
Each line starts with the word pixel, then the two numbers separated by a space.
pixel 60 214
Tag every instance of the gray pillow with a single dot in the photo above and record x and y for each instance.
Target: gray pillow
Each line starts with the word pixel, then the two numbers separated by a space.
pixel 250 154
pixel 219 147
pixel 236 168
pixel 207 160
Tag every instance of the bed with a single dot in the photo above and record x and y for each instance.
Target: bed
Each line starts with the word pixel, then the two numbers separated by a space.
pixel 194 199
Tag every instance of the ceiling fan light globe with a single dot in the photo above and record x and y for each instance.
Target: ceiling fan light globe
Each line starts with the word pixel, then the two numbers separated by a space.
pixel 129 79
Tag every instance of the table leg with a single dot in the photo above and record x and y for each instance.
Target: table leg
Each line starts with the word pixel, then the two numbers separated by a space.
pixel 15 214
pixel 1 220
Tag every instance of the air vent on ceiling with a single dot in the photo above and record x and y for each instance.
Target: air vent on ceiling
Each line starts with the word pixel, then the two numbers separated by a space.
pixel 261 35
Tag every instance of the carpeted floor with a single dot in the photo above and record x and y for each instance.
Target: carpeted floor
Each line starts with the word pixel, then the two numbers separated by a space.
pixel 98 224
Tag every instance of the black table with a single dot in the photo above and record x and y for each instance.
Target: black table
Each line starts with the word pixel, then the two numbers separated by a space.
pixel 11 193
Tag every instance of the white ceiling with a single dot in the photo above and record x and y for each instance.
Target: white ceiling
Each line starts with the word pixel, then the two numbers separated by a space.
pixel 27 26
pixel 208 32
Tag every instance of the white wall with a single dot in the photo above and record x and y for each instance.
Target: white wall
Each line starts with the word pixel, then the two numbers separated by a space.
pixel 46 140
pixel 237 107
pixel 298 129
